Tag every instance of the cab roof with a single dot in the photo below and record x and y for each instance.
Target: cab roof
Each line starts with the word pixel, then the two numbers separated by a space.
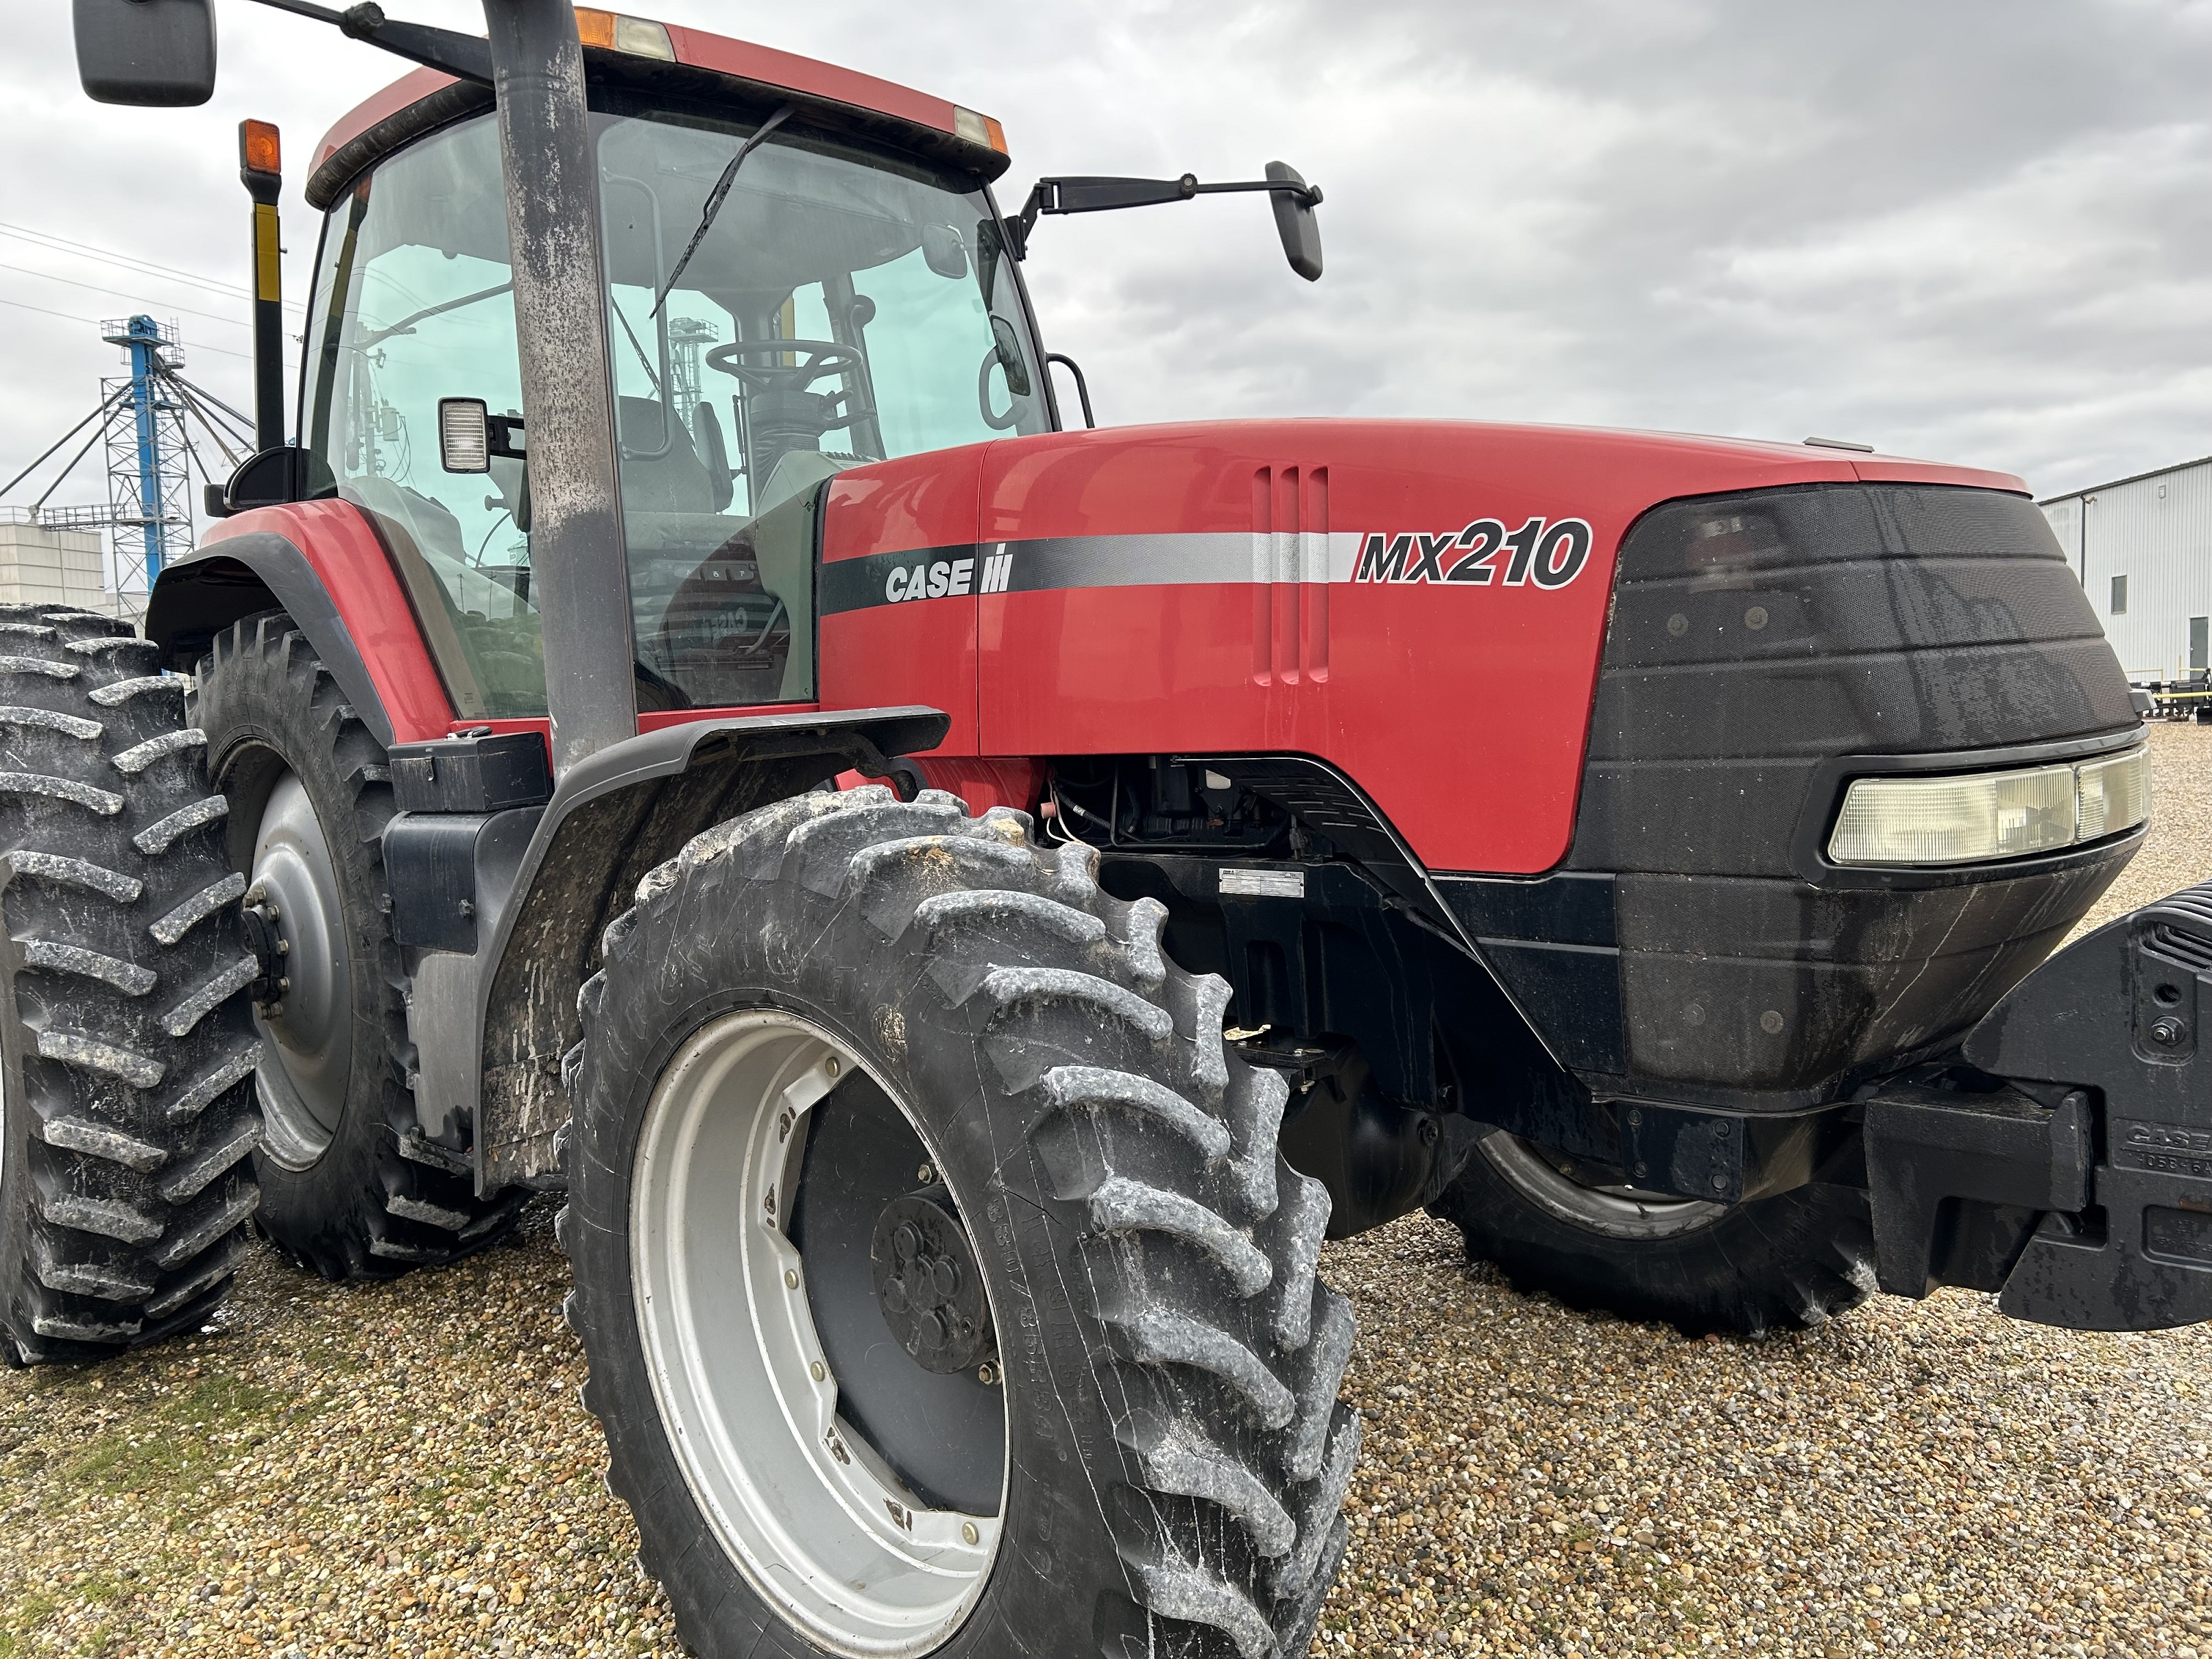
pixel 698 67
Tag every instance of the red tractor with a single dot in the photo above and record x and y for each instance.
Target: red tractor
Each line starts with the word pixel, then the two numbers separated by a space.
pixel 1638 849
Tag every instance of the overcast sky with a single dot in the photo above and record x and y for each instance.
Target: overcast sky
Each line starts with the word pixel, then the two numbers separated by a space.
pixel 1974 232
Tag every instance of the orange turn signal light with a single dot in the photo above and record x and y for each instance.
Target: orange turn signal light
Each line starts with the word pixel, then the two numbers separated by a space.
pixel 979 129
pixel 258 150
pixel 612 32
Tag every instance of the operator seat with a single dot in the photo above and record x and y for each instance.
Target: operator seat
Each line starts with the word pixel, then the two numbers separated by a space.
pixel 674 481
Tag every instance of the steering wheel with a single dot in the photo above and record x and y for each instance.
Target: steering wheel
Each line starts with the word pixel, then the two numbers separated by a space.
pixel 996 423
pixel 822 357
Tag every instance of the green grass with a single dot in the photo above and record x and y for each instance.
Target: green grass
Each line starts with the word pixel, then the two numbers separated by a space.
pixel 179 1441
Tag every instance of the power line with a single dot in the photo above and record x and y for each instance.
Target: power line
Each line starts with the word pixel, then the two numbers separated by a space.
pixel 124 293
pixel 47 239
pixel 70 316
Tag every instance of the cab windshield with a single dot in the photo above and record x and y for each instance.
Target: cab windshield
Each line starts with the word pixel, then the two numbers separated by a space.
pixel 841 306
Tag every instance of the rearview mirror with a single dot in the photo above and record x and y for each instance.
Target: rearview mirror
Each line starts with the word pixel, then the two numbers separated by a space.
pixel 149 53
pixel 1295 221
pixel 943 251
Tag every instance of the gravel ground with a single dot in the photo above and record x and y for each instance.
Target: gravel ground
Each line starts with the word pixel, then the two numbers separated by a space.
pixel 404 1469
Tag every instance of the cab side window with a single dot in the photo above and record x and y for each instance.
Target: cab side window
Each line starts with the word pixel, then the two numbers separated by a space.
pixel 413 301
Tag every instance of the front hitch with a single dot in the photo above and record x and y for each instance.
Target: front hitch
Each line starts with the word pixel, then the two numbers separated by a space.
pixel 2080 1189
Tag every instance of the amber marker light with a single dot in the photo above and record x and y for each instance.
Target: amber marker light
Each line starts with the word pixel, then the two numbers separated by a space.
pixel 612 32
pixel 258 147
pixel 979 129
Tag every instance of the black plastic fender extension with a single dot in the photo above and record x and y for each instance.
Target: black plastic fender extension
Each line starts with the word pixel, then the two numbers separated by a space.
pixel 493 1026
pixel 2091 1171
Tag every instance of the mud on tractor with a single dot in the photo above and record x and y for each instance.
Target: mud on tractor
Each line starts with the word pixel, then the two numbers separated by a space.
pixel 1642 851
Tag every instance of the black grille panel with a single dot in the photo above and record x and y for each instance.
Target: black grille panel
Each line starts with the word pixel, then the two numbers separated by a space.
pixel 1756 638
pixel 1757 642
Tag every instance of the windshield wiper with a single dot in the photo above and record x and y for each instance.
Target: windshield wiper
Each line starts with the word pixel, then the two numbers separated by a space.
pixel 714 200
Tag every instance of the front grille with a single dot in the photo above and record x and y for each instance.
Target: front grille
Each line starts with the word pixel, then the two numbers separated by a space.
pixel 1757 641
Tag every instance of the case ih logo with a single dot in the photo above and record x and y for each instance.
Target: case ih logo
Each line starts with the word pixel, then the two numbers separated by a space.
pixel 935 579
pixel 1550 553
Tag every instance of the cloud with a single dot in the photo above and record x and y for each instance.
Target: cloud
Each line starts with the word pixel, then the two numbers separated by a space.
pixel 1973 231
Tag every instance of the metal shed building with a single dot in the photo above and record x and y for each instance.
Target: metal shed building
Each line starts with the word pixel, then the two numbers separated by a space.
pixel 2142 547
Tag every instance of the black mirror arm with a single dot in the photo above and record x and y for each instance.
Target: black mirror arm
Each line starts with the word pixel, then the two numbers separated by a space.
pixel 1098 195
pixel 467 57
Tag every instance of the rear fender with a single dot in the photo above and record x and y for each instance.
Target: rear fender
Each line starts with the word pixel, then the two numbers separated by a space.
pixel 494 1027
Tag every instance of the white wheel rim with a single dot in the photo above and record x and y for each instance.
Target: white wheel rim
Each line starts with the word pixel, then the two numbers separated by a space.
pixel 821 1528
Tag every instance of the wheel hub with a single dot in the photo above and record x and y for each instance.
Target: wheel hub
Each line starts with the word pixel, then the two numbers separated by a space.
pixel 928 1286
pixel 304 999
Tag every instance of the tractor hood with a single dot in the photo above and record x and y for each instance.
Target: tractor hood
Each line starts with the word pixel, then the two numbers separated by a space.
pixel 1606 690
pixel 1421 604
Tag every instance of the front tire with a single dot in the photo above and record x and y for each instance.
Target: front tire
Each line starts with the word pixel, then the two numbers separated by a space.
pixel 1775 1263
pixel 841 995
pixel 349 1183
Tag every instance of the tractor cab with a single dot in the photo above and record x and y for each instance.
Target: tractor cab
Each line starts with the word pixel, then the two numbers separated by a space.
pixel 785 299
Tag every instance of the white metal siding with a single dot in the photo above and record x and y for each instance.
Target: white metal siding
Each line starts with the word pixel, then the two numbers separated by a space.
pixel 39 566
pixel 2157 532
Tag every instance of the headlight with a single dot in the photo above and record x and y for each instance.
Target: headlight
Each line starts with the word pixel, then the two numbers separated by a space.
pixel 1990 815
pixel 2115 795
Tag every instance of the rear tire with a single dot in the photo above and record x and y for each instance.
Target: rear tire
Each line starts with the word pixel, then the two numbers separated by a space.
pixel 1776 1263
pixel 350 1184
pixel 1175 1457
pixel 129 1111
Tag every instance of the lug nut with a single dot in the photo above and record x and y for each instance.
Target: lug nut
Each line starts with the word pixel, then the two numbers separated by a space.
pixel 967 1533
pixel 818 1372
pixel 987 1373
pixel 790 1278
pixel 925 1175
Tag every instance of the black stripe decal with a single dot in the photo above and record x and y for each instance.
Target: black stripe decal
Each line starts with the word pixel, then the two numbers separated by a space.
pixel 1165 560
pixel 886 578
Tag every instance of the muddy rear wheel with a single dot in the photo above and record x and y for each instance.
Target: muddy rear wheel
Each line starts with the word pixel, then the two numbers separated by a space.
pixel 129 1113
pixel 350 1184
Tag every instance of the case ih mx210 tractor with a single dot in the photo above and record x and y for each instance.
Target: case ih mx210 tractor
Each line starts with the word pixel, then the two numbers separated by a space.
pixel 1640 850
